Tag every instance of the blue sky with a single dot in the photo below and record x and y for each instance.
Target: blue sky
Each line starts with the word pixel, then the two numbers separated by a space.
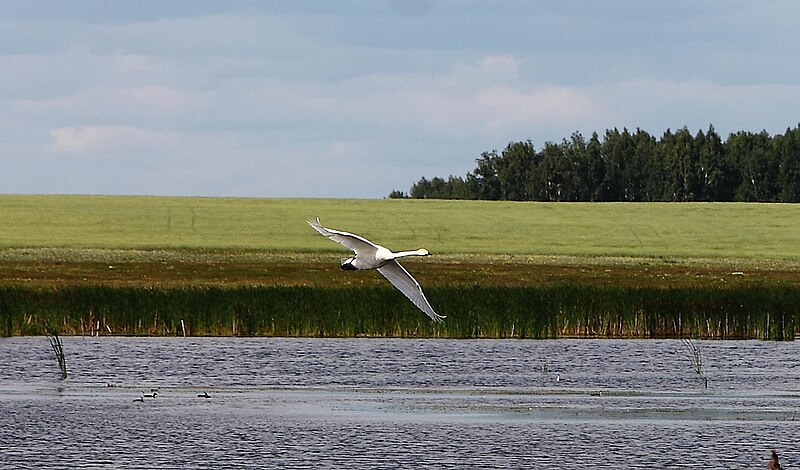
pixel 356 99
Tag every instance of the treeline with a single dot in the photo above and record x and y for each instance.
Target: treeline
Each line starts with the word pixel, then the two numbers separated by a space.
pixel 633 166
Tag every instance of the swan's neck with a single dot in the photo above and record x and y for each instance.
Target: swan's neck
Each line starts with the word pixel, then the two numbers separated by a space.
pixel 402 254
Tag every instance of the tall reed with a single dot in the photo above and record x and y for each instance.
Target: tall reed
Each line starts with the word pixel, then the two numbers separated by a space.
pixel 5 316
pixel 756 311
pixel 58 350
pixel 696 358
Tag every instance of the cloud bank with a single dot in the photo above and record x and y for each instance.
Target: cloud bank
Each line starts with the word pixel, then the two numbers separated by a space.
pixel 305 100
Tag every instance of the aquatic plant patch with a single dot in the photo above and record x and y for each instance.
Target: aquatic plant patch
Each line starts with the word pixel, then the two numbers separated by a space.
pixel 765 312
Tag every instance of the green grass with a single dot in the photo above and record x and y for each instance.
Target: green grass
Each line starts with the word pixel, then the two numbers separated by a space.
pixel 140 265
pixel 684 230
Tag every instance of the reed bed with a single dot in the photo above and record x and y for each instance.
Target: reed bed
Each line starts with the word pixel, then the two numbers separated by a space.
pixel 473 311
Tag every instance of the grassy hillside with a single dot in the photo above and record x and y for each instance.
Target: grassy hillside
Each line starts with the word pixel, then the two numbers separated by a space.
pixel 733 230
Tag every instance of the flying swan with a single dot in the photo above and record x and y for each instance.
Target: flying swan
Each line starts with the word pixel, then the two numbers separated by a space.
pixel 371 256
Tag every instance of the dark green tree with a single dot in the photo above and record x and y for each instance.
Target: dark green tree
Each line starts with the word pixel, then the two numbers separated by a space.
pixel 715 176
pixel 595 168
pixel 485 179
pixel 421 189
pixel 548 178
pixel 513 169
pixel 787 148
pixel 758 168
pixel 576 169
pixel 633 167
pixel 616 150
pixel 638 167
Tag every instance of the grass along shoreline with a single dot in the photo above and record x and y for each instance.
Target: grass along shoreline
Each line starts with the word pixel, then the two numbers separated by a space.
pixel 744 312
pixel 305 294
pixel 139 265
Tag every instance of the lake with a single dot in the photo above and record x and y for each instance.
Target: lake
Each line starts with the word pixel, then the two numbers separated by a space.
pixel 397 403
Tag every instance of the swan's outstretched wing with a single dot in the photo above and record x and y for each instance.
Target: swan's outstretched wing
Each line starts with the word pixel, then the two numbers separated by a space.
pixel 352 241
pixel 405 283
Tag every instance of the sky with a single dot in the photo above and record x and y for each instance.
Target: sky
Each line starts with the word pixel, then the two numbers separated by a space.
pixel 356 99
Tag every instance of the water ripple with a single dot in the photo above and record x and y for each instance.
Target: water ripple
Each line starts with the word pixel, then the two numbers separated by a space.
pixel 387 403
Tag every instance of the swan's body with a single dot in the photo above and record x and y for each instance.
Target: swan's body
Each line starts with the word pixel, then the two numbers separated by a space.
pixel 368 255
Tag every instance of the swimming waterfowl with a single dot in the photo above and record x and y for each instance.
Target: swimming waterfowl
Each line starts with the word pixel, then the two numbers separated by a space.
pixel 369 255
pixel 203 395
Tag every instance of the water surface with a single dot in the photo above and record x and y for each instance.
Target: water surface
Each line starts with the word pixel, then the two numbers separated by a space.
pixel 392 403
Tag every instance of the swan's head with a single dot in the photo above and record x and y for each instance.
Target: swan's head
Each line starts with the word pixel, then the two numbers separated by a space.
pixel 347 265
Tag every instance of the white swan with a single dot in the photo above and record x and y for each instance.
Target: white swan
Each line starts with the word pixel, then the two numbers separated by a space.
pixel 372 256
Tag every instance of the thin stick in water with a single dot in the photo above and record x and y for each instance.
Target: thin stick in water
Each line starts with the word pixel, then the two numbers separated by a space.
pixel 58 350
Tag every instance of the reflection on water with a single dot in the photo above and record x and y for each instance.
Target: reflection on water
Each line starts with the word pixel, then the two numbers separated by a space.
pixel 375 403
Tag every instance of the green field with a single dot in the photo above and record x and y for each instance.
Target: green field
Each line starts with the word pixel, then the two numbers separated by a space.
pixel 684 230
pixel 226 266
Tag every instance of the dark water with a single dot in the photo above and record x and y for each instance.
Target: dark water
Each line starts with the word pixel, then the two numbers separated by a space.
pixel 374 403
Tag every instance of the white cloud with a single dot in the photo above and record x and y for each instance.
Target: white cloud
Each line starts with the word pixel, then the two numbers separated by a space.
pixel 504 65
pixel 698 103
pixel 111 139
pixel 484 98
pixel 247 99
pixel 115 103
pixel 508 109
pixel 133 63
